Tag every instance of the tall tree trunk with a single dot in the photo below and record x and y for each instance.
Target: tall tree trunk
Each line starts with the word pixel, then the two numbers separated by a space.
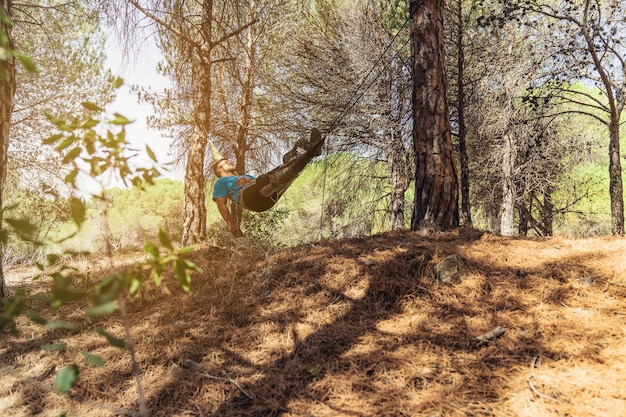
pixel 507 218
pixel 392 93
pixel 436 182
pixel 7 92
pixel 194 223
pixel 245 108
pixel 616 188
pixel 466 215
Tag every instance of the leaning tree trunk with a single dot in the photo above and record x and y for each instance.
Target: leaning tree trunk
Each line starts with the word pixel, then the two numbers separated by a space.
pixel 7 92
pixel 436 184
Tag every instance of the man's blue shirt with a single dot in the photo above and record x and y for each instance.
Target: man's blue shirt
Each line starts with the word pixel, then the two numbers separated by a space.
pixel 227 187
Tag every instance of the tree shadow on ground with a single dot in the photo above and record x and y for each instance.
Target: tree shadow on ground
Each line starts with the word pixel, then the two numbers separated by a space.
pixel 347 316
pixel 280 386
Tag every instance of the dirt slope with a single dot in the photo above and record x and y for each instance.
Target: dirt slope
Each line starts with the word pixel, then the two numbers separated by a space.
pixel 355 327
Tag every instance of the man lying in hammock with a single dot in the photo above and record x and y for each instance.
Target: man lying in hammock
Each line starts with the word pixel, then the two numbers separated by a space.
pixel 261 193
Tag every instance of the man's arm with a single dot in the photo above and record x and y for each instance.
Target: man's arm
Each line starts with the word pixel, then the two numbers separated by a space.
pixel 222 206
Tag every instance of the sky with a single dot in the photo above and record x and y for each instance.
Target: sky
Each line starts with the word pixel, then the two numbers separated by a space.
pixel 139 70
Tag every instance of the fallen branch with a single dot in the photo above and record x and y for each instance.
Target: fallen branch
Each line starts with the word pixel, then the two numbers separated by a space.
pixel 532 386
pixel 232 381
pixel 491 335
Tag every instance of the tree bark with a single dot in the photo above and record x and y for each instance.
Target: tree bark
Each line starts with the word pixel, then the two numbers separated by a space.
pixel 194 224
pixel 245 109
pixel 507 218
pixel 547 209
pixel 466 215
pixel 7 92
pixel 399 182
pixel 436 182
pixel 616 188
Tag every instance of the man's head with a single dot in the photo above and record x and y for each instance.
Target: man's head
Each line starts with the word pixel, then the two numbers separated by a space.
pixel 222 167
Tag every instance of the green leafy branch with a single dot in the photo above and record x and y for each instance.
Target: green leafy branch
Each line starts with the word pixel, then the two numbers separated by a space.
pixel 7 53
pixel 85 150
pixel 93 147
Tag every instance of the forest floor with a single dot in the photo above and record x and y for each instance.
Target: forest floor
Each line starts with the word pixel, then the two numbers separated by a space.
pixel 354 327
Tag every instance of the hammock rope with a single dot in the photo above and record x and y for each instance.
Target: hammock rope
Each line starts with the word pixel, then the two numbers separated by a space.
pixel 353 100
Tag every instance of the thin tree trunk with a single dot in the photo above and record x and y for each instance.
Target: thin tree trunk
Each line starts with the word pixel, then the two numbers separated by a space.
pixel 507 218
pixel 522 224
pixel 436 182
pixel 399 182
pixel 547 212
pixel 395 149
pixel 616 188
pixel 7 92
pixel 245 109
pixel 466 215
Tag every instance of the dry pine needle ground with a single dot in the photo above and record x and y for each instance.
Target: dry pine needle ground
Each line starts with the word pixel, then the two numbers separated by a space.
pixel 353 327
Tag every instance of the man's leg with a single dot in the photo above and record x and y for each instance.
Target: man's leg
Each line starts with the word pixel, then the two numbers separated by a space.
pixel 280 178
pixel 303 145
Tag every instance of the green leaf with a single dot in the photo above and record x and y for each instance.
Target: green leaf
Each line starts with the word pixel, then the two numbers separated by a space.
pixel 67 142
pixel 4 18
pixel 135 283
pixel 90 106
pixel 192 266
pixel 66 378
pixel 157 277
pixel 105 308
pixel 71 155
pixel 151 248
pixel 183 276
pixel 26 61
pixel 37 319
pixel 52 139
pixel 118 82
pixel 109 288
pixel 54 120
pixel 151 154
pixel 78 210
pixel 71 177
pixel 52 259
pixel 52 324
pixel 62 290
pixel 93 359
pixel 89 123
pixel 120 120
pixel 165 239
pixel 25 229
pixel 113 341
pixel 54 346
pixel 58 324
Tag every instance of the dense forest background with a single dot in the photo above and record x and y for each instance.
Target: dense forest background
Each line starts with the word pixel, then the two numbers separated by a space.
pixel 535 95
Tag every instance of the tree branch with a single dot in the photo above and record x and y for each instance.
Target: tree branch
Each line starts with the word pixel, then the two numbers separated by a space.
pixel 233 33
pixel 163 23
